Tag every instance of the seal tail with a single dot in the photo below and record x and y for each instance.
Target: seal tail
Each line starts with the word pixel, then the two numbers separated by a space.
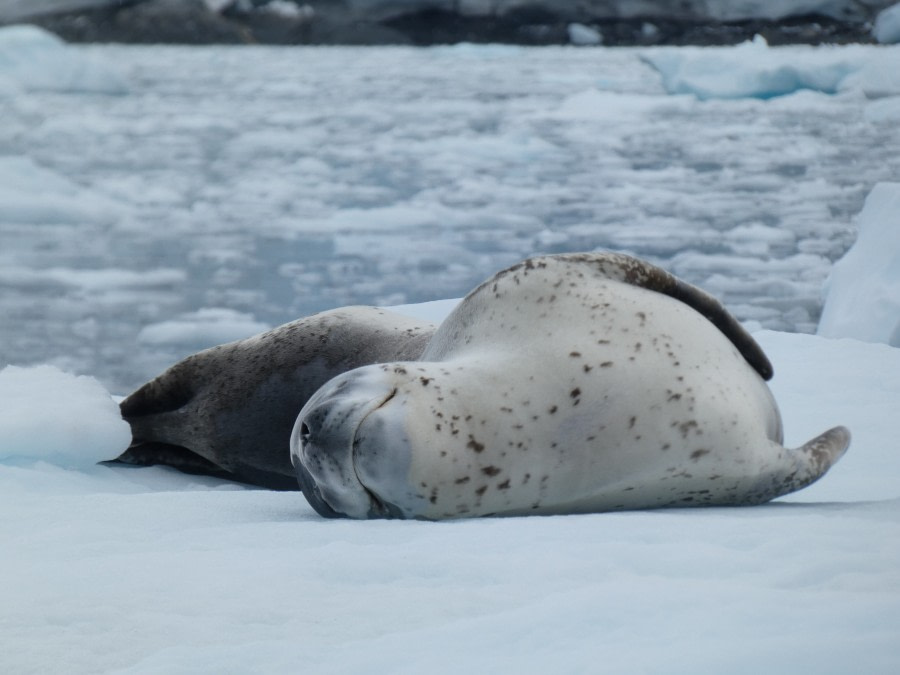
pixel 812 460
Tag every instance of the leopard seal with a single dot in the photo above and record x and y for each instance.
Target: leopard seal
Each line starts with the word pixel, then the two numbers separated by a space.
pixel 229 411
pixel 564 384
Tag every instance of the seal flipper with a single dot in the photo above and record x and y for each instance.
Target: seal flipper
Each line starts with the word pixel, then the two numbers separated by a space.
pixel 805 465
pixel 715 311
pixel 151 454
pixel 639 272
pixel 182 459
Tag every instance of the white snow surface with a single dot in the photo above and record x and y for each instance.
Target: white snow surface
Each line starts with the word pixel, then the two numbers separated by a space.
pixel 50 416
pixel 887 25
pixel 863 289
pixel 118 570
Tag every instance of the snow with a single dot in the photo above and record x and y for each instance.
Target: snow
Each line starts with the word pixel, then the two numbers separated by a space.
pixel 863 289
pixel 887 25
pixel 50 416
pixel 121 570
pixel 39 61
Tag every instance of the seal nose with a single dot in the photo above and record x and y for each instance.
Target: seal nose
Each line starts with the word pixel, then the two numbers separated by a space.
pixel 326 430
pixel 305 433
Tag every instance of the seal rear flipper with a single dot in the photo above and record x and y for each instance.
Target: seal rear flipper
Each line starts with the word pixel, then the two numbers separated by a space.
pixel 808 463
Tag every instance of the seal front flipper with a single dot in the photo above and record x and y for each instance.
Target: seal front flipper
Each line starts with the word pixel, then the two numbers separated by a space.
pixel 152 454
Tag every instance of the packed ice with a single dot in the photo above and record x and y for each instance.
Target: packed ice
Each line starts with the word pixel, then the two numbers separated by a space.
pixel 271 183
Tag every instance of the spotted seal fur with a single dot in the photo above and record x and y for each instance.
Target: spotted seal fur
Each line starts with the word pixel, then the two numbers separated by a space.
pixel 563 384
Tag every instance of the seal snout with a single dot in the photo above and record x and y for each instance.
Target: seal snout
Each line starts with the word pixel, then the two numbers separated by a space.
pixel 322 444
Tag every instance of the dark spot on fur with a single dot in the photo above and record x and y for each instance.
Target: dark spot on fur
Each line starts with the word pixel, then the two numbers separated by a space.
pixel 697 454
pixel 463 480
pixel 575 355
pixel 504 485
pixel 480 491
pixel 552 409
pixel 686 427
pixel 475 445
pixel 490 471
pixel 631 422
pixel 606 364
pixel 575 393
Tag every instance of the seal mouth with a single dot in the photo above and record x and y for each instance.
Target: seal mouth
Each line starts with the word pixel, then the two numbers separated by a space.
pixel 311 491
